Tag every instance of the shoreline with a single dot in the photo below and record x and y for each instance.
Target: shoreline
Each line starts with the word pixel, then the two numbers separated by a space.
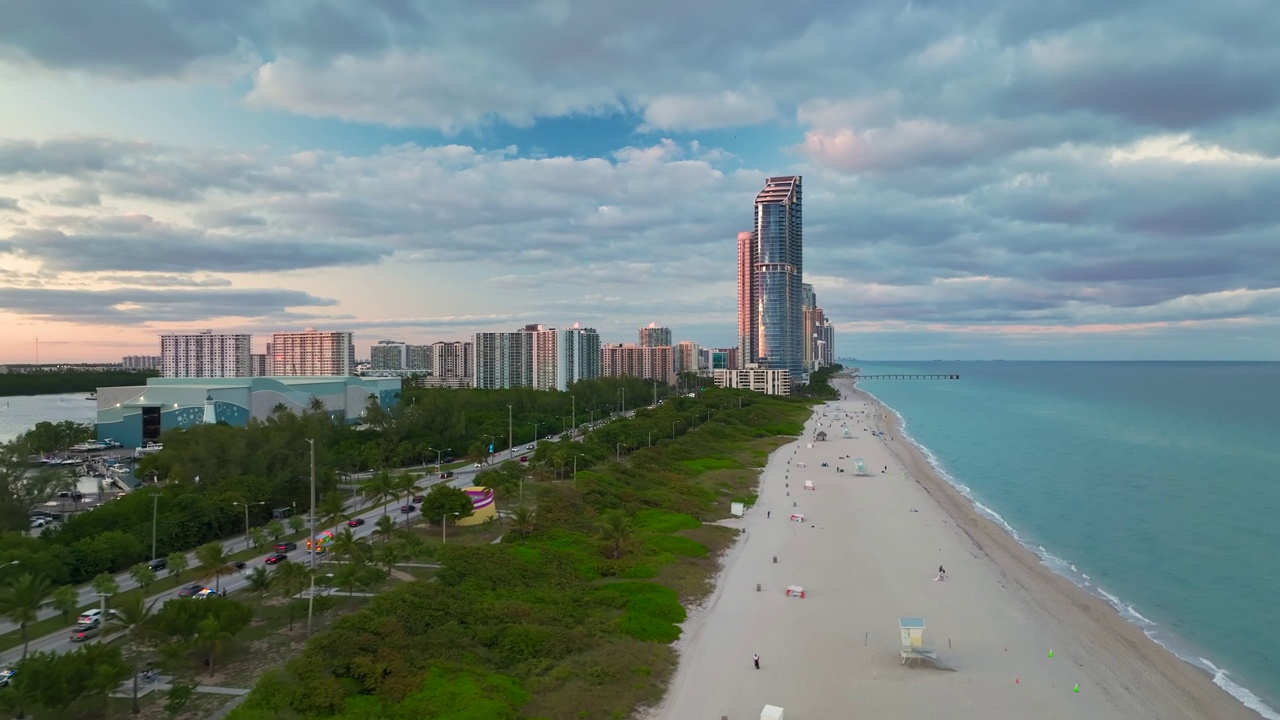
pixel 864 562
pixel 1046 560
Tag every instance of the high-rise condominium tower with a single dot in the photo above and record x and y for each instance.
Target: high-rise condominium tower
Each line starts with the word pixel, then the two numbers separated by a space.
pixel 654 336
pixel 525 358
pixel 312 352
pixel 579 356
pixel 770 289
pixel 204 355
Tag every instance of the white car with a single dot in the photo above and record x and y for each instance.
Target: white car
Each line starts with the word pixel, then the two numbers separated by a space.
pixel 90 617
pixel 528 447
pixel 479 465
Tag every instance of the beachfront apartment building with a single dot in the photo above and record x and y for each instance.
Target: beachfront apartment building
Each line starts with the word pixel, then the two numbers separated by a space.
pixel 312 352
pixel 389 355
pixel 769 381
pixel 418 358
pixel 648 363
pixel 525 358
pixel 654 336
pixel 259 366
pixel 687 356
pixel 771 332
pixel 579 356
pixel 205 354
pixel 451 360
pixel 141 362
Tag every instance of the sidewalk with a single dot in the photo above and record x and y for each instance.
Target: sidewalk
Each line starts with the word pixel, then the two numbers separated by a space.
pixel 162 682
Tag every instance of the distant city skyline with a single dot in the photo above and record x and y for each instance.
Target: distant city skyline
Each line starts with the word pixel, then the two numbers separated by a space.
pixel 1083 181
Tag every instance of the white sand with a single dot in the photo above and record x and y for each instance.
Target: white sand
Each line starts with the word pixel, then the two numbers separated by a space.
pixel 865 560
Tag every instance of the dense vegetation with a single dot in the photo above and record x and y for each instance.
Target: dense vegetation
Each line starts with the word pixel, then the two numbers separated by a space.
pixel 206 469
pixel 46 382
pixel 820 383
pixel 573 615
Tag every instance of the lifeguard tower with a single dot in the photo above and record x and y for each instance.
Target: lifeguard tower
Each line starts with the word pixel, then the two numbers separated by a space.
pixel 860 468
pixel 913 647
pixel 771 712
pixel 846 431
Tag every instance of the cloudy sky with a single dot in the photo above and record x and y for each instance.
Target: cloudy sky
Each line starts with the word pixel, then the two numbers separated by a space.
pixel 983 178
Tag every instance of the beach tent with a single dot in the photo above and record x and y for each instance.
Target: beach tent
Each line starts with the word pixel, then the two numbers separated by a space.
pixel 795 591
pixel 797 517
pixel 737 509
pixel 808 484
pixel 821 436
pixel 859 468
pixel 771 712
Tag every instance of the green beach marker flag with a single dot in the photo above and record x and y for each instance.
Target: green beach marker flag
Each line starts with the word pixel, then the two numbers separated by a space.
pixel 1077 688
pixel 1050 652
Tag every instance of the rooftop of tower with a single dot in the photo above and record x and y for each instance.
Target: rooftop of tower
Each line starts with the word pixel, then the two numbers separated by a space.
pixel 778 189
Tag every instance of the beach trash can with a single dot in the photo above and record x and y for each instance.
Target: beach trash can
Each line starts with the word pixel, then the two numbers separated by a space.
pixel 771 712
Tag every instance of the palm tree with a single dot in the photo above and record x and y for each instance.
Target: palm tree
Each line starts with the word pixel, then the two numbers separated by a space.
pixel 296 523
pixel 177 562
pixel 351 578
pixel 257 537
pixel 143 575
pixel 385 528
pixel 21 600
pixel 214 563
pixel 332 508
pixel 523 521
pixel 275 529
pixel 260 581
pixel 105 585
pixel 210 638
pixel 409 484
pixel 291 579
pixel 347 545
pixel 379 488
pixel 389 556
pixel 130 619
pixel 66 600
pixel 616 530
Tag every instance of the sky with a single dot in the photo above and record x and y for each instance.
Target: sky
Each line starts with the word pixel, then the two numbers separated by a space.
pixel 1064 179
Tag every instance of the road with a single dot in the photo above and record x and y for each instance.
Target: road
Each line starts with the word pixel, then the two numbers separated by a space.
pixel 462 478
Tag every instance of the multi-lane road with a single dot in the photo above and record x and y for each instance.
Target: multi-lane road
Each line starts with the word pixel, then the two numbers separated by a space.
pixel 61 640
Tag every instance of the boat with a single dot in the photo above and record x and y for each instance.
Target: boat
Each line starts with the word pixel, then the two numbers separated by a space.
pixel 148 449
pixel 93 396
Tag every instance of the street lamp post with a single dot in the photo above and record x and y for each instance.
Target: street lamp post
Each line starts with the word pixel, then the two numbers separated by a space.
pixel 618 449
pixel 575 464
pixel 573 410
pixel 246 507
pixel 623 392
pixel 491 439
pixel 438 454
pixel 511 450
pixel 444 527
pixel 650 438
pixel 312 550
pixel 673 429
pixel 311 600
pixel 155 506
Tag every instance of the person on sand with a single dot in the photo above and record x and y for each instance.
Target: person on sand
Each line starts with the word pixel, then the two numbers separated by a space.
pixel 756 659
pixel 942 573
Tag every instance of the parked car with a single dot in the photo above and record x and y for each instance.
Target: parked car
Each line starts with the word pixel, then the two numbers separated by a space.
pixel 355 522
pixel 406 509
pixel 524 458
pixel 276 559
pixel 448 458
pixel 39 522
pixel 190 590
pixel 285 547
pixel 85 632
pixel 158 564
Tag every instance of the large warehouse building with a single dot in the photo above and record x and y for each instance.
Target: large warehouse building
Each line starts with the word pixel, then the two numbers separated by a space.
pixel 138 414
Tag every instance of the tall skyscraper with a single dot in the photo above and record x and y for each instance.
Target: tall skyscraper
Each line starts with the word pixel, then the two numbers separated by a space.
pixel 204 355
pixel 770 287
pixel 654 336
pixel 687 353
pixel 579 356
pixel 451 359
pixel 312 352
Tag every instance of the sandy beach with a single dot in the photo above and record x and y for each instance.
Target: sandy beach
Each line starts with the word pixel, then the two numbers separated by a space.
pixel 867 553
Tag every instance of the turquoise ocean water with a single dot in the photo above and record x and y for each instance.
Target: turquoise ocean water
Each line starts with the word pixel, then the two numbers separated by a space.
pixel 1153 484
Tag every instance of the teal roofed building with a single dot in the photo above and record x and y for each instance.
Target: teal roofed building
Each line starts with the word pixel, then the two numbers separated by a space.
pixel 138 414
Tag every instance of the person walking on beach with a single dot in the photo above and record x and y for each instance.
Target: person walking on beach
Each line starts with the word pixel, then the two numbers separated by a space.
pixel 756 659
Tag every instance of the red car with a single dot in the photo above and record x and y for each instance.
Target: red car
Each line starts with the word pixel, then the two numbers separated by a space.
pixel 524 458
pixel 276 558
pixel 355 522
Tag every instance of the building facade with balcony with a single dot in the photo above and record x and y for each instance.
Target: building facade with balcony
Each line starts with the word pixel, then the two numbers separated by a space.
pixel 205 354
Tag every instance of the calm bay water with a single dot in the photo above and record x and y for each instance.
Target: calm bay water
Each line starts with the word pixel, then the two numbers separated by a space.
pixel 20 414
pixel 1152 484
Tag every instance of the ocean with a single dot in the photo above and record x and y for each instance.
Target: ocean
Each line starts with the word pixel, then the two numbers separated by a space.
pixel 1151 484
pixel 21 413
